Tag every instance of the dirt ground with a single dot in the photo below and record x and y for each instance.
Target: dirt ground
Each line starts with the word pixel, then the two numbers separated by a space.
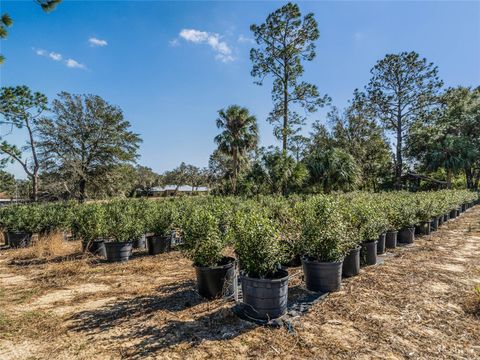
pixel 56 303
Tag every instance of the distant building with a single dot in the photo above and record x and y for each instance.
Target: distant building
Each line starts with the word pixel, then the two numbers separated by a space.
pixel 6 199
pixel 172 190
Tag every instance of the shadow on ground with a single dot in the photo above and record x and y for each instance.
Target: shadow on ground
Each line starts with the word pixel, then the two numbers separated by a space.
pixel 136 322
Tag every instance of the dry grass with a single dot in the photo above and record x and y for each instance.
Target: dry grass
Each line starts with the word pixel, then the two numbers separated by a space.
pixel 419 304
pixel 47 247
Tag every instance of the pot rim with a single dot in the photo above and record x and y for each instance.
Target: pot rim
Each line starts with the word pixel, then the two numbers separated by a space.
pixel 231 262
pixel 118 243
pixel 306 260
pixel 267 280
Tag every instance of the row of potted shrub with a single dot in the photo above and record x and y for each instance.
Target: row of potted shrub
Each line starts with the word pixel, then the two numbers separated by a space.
pixel 328 234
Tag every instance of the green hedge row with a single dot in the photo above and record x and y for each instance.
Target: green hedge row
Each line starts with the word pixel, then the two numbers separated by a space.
pixel 264 231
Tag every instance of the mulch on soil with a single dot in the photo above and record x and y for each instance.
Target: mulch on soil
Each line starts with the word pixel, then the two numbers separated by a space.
pixel 420 303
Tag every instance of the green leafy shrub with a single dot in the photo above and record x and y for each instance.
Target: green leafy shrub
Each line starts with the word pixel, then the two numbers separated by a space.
pixel 90 222
pixel 123 223
pixel 203 243
pixel 257 243
pixel 326 234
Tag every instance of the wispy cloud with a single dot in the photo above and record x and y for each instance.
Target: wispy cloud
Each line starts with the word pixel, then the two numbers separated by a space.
pixel 52 55
pixel 74 64
pixel 223 52
pixel 94 42
pixel 55 56
pixel 243 39
pixel 174 42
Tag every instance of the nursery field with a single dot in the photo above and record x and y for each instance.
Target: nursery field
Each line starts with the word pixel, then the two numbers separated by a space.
pixel 58 303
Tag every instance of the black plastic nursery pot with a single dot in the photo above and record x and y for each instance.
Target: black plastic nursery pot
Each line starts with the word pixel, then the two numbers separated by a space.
pixel 19 239
pixel 381 243
pixel 434 224
pixel 140 243
pixel 216 281
pixel 265 298
pixel 322 276
pixel 439 221
pixel 95 247
pixel 158 244
pixel 118 251
pixel 351 263
pixel 424 228
pixel 458 211
pixel 391 239
pixel 406 235
pixel 453 213
pixel 446 217
pixel 464 207
pixel 369 253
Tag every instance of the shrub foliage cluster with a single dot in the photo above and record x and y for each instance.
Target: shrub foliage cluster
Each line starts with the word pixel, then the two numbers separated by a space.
pixel 263 232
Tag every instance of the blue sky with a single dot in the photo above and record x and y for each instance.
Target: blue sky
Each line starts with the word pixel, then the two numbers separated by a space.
pixel 171 83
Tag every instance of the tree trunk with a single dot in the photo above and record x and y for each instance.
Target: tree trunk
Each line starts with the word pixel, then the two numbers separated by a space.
pixel 449 178
pixel 35 187
pixel 399 162
pixel 469 177
pixel 235 173
pixel 285 114
pixel 82 188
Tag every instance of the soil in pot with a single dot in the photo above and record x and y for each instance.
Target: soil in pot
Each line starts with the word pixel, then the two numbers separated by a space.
pixel 391 239
pixel 19 239
pixel 265 298
pixel 322 276
pixel 158 244
pixel 368 254
pixel 118 251
pixel 95 247
pixel 381 243
pixel 140 243
pixel 406 236
pixel 351 263
pixel 216 281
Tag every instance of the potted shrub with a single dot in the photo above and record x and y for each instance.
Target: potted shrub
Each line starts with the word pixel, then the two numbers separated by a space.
pixel 389 207
pixel 257 245
pixel 123 225
pixel 89 224
pixel 406 218
pixel 424 213
pixel 286 214
pixel 326 241
pixel 204 245
pixel 20 223
pixel 160 219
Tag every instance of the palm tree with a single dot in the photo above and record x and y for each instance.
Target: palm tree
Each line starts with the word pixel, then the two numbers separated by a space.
pixel 239 136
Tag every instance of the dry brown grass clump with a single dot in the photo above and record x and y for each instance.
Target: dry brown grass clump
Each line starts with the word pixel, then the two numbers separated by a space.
pixel 47 247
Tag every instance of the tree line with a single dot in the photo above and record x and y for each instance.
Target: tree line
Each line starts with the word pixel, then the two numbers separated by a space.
pixel 433 131
pixel 403 120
